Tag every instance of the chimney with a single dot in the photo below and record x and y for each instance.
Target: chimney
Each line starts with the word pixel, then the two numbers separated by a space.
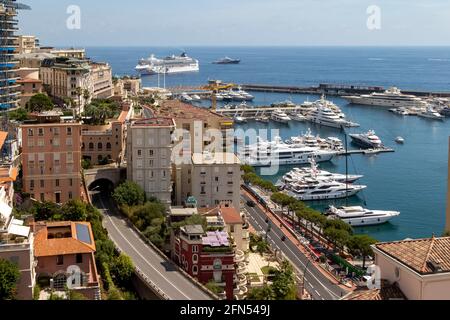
pixel 447 226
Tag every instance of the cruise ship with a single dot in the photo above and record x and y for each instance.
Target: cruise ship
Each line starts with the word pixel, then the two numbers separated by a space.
pixel 392 97
pixel 172 64
pixel 359 216
pixel 277 152
pixel 367 140
pixel 326 117
pixel 313 189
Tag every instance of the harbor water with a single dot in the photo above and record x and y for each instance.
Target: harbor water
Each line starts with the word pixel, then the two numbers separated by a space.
pixel 412 180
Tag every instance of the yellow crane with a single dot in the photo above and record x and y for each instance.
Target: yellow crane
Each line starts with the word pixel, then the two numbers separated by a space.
pixel 216 86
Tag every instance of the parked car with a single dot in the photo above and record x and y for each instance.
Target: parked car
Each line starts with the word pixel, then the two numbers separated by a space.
pixel 251 204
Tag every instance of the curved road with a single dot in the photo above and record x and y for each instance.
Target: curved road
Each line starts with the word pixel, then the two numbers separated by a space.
pixel 317 284
pixel 160 271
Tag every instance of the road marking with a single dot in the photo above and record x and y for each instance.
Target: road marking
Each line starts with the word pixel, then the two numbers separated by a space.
pixel 157 271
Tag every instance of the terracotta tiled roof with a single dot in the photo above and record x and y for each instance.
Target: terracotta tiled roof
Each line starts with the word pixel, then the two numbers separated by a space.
pixel 418 254
pixel 44 247
pixel 387 292
pixel 231 216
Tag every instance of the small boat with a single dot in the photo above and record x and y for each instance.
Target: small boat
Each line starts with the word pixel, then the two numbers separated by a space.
pixel 297 117
pixel 196 97
pixel 185 97
pixel 400 140
pixel 263 119
pixel 430 113
pixel 279 116
pixel 239 119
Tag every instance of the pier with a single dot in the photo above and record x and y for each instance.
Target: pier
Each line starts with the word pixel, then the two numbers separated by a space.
pixel 365 151
pixel 334 90
pixel 253 113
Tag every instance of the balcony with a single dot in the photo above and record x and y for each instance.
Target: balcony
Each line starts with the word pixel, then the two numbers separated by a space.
pixel 239 256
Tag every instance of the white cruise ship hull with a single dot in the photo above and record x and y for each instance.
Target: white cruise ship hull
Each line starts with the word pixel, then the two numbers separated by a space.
pixel 167 70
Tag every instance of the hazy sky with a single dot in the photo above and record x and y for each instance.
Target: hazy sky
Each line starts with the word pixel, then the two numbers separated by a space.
pixel 238 22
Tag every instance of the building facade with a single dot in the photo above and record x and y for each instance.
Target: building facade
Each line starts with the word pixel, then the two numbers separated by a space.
pixel 420 268
pixel 62 248
pixel 9 89
pixel 214 180
pixel 206 256
pixel 149 149
pixel 27 44
pixel 104 143
pixel 30 84
pixel 51 159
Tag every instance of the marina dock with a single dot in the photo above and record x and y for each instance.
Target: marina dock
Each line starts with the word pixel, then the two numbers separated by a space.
pixel 365 151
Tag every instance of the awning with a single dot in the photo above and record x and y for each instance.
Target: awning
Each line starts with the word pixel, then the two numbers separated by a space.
pixel 5 210
pixel 20 231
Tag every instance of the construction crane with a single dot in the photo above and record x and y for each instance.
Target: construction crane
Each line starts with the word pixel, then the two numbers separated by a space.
pixel 216 86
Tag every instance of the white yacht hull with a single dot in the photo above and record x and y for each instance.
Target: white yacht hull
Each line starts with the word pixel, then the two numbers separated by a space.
pixel 302 159
pixel 367 221
pixel 329 196
pixel 388 103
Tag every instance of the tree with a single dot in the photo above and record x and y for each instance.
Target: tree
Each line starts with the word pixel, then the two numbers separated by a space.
pixel 20 114
pixel 261 294
pixel 73 295
pixel 361 245
pixel 213 287
pixel 48 211
pixel 129 193
pixel 9 275
pixel 148 215
pixel 86 164
pixel 338 237
pixel 39 102
pixel 283 285
pixel 122 268
pixel 75 210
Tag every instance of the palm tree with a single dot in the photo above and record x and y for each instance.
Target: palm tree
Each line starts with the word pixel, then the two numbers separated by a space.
pixel 79 92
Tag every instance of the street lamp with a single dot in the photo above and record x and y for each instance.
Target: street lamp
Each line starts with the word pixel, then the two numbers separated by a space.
pixel 303 278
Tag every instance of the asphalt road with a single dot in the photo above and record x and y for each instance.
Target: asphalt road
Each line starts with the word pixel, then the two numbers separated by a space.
pixel 317 284
pixel 159 270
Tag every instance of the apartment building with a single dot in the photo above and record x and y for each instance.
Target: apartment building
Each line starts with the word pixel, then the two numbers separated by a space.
pixel 62 77
pixel 419 268
pixel 30 84
pixel 127 85
pixel 214 179
pixel 104 142
pixel 62 248
pixel 149 149
pixel 207 256
pixel 16 246
pixel 51 158
pixel 27 44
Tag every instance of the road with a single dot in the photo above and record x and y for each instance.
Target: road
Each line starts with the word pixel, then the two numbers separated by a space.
pixel 316 283
pixel 159 270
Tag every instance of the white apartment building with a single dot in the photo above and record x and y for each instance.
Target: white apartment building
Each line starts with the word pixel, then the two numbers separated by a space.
pixel 149 150
pixel 214 180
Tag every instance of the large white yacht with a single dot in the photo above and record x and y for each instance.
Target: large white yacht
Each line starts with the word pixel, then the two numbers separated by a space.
pixel 392 97
pixel 367 140
pixel 327 117
pixel 309 140
pixel 359 216
pixel 431 113
pixel 265 153
pixel 279 116
pixel 314 172
pixel 312 189
pixel 171 64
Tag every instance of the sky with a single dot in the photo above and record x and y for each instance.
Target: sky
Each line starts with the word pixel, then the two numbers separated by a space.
pixel 240 22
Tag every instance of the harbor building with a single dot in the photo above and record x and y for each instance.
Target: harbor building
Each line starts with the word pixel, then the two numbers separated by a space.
pixel 127 86
pixel 104 143
pixel 206 256
pixel 51 158
pixel 212 179
pixel 9 88
pixel 149 150
pixel 59 248
pixel 419 268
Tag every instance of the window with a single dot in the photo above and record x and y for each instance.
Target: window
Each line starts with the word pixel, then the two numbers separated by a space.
pixel 69 131
pixel 40 132
pixel 108 146
pixel 41 142
pixel 100 146
pixel 70 195
pixel 217 179
pixel 57 183
pixel 70 182
pixel 195 249
pixel 139 153
pixel 150 163
pixel 30 132
pixel 195 258
pixel 69 142
pixel 151 153
pixel 56 131
pixel 60 260
pixel 69 157
pixel 56 142
pixel 30 143
pixel 42 183
pixel 58 197
pixel 42 197
pixel 79 258
pixel 195 270
pixel 203 190
pixel 91 146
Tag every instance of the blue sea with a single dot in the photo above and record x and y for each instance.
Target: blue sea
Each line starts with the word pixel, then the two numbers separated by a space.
pixel 413 180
